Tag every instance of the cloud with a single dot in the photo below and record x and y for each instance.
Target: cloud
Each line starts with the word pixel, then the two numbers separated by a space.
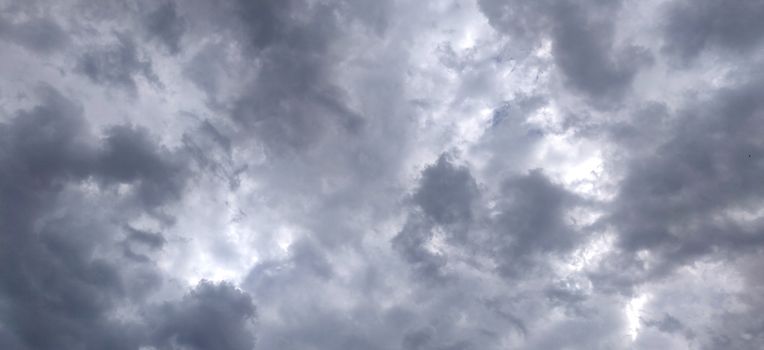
pixel 694 27
pixel 679 201
pixel 293 102
pixel 359 174
pixel 129 155
pixel 532 221
pixel 56 293
pixel 116 65
pixel 210 316
pixel 583 47
pixel 41 35
pixel 56 290
pixel 525 225
pixel 164 24
pixel 446 193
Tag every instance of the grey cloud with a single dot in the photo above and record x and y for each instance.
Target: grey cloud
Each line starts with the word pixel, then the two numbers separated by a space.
pixel 8 340
pixel 676 313
pixel 55 290
pixel 668 324
pixel 294 170
pixel 117 65
pixel 417 339
pixel 530 221
pixel 582 49
pixel 57 294
pixel 581 35
pixel 41 35
pixel 692 27
pixel 300 291
pixel 738 328
pixel 321 149
pixel 140 244
pixel 151 239
pixel 676 202
pixel 211 316
pixel 211 149
pixel 535 198
pixel 411 244
pixel 584 333
pixel 532 218
pixel 292 101
pixel 166 25
pixel 309 256
pixel 208 69
pixel 514 234
pixel 306 320
pixel 515 111
pixel 57 151
pixel 265 22
pixel 569 294
pixel 446 193
pixel 446 196
pixel 66 308
pixel 130 156
pixel 217 136
pixel 297 108
pixel 510 140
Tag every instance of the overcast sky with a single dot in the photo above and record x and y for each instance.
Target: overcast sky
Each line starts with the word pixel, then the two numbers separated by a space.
pixel 365 174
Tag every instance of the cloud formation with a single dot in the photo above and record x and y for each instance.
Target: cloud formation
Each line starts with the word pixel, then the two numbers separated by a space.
pixel 341 174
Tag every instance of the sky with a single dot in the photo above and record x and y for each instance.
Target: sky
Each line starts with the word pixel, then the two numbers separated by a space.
pixel 363 174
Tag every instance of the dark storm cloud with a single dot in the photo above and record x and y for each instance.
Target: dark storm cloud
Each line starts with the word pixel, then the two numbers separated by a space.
pixel 692 27
pixel 117 65
pixel 54 289
pixel 581 35
pixel 678 202
pixel 57 294
pixel 44 144
pixel 689 198
pixel 211 316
